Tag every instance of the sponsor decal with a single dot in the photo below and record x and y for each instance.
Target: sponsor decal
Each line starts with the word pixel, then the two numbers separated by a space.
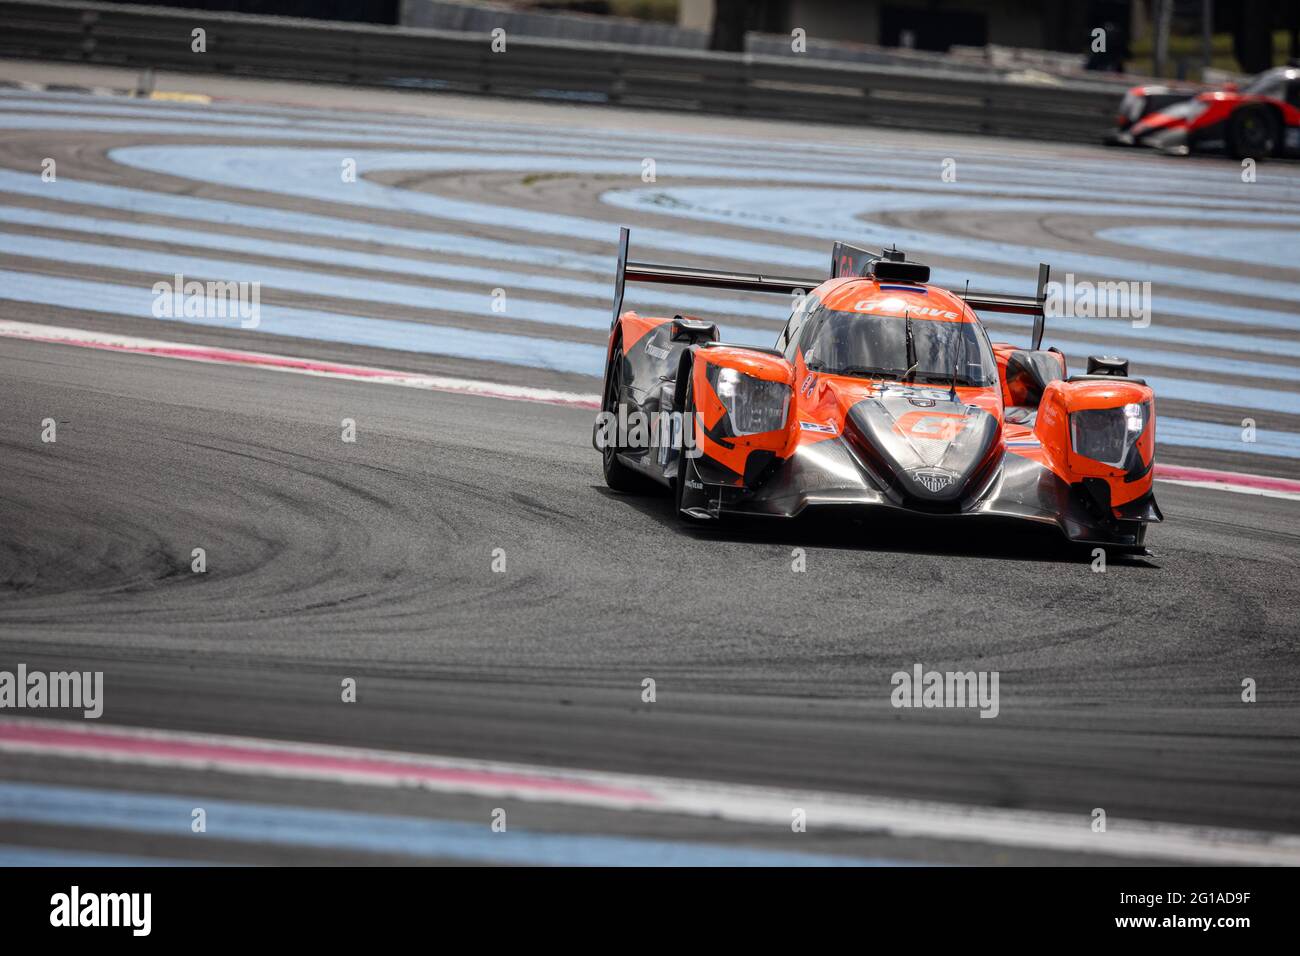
pixel 808 383
pixel 931 425
pixel 818 428
pixel 656 352
pixel 928 396
pixel 896 306
pixel 933 481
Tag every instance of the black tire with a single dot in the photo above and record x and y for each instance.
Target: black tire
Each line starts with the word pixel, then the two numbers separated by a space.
pixel 688 414
pixel 618 476
pixel 1253 133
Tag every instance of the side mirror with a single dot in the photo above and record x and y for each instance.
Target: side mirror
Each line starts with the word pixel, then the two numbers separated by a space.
pixel 1029 373
pixel 687 329
pixel 1108 365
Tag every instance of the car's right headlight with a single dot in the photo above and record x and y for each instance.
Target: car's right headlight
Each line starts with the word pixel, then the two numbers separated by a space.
pixel 753 405
pixel 1109 435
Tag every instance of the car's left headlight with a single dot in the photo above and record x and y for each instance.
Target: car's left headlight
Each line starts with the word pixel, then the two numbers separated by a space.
pixel 1109 435
pixel 753 405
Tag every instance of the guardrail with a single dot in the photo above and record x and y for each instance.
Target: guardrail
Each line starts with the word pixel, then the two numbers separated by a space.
pixel 737 84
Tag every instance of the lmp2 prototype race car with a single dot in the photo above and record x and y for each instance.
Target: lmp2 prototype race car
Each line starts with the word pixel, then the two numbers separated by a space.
pixel 1259 121
pixel 882 392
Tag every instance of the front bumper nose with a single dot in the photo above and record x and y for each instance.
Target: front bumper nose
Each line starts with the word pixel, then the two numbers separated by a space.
pixel 829 476
pixel 934 456
pixel 1173 141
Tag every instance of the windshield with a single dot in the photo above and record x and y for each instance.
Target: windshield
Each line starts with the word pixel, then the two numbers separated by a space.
pixel 1266 84
pixel 854 343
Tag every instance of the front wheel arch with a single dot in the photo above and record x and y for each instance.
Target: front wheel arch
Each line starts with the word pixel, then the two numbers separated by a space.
pixel 618 476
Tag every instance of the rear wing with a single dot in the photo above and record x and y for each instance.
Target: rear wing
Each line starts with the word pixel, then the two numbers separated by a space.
pixel 846 260
pixel 708 278
pixel 1035 305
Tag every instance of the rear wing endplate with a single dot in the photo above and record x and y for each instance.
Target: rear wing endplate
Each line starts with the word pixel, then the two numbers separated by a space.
pixel 847 260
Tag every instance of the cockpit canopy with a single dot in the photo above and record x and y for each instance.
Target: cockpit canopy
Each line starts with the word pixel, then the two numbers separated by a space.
pixel 863 344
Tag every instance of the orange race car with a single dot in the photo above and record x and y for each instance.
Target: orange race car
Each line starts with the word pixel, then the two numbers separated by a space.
pixel 882 391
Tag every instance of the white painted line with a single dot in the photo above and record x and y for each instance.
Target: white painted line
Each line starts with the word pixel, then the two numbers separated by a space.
pixel 1267 485
pixel 282 363
pixel 1062 832
pixel 1238 489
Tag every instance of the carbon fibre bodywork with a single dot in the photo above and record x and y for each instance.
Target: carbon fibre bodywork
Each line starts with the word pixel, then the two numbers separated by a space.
pixel 853 470
pixel 833 474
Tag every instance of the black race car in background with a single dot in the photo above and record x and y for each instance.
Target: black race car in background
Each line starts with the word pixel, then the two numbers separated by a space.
pixel 1259 120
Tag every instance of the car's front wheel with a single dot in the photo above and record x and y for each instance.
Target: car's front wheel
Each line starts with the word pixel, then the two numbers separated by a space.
pixel 617 475
pixel 684 467
pixel 1253 133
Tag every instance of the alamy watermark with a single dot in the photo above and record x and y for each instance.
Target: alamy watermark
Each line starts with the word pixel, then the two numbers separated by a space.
pixel 1083 299
pixel 635 429
pixel 922 688
pixel 55 690
pixel 133 911
pixel 193 299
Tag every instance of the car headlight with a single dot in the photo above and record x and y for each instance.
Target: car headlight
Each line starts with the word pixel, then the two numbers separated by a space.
pixel 753 405
pixel 1109 435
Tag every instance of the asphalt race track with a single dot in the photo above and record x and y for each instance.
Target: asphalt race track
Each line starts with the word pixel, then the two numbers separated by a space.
pixel 473 253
